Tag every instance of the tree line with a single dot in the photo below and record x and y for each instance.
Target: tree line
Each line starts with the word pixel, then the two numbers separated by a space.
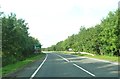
pixel 17 44
pixel 103 38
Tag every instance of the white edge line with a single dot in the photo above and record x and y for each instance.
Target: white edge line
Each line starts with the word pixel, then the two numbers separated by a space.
pixel 39 67
pixel 115 63
pixel 84 70
pixel 63 58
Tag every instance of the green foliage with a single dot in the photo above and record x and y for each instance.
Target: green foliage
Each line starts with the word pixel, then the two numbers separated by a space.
pixel 16 42
pixel 20 64
pixel 104 38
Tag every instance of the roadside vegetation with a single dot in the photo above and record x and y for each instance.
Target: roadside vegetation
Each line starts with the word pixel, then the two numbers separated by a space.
pixel 18 47
pixel 17 44
pixel 101 39
pixel 21 64
pixel 103 57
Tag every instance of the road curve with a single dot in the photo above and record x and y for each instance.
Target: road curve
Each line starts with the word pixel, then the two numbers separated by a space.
pixel 62 65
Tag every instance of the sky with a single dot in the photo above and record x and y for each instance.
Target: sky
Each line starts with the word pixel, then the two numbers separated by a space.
pixel 51 21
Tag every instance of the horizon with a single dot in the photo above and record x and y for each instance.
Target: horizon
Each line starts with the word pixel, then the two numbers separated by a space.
pixel 53 21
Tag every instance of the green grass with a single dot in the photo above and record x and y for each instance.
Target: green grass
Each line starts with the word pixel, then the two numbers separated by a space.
pixel 103 57
pixel 20 64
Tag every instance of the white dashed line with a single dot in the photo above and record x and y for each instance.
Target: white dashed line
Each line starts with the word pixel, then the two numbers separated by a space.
pixel 63 58
pixel 77 66
pixel 84 70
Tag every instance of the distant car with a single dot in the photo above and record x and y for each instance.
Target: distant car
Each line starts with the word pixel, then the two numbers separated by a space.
pixel 70 49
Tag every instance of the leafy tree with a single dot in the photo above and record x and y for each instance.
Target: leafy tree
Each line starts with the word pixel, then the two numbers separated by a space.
pixel 16 42
pixel 101 39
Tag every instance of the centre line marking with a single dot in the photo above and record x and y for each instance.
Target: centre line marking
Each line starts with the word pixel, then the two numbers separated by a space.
pixel 39 67
pixel 84 70
pixel 77 66
pixel 63 58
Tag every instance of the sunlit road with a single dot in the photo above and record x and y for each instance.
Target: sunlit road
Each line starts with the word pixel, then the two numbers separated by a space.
pixel 62 65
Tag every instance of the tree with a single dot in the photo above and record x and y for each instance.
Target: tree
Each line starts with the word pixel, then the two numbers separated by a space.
pixel 16 42
pixel 101 39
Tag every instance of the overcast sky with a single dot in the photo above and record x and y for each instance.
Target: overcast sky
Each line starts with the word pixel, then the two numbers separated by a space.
pixel 54 20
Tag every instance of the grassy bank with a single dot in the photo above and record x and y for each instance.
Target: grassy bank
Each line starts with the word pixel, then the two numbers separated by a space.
pixel 20 64
pixel 103 57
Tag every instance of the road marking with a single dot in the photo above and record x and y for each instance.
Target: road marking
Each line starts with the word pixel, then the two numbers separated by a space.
pixel 39 67
pixel 115 63
pixel 77 66
pixel 63 58
pixel 106 61
pixel 84 70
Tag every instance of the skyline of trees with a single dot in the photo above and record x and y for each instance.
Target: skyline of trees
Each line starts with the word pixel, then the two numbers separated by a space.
pixel 17 44
pixel 103 38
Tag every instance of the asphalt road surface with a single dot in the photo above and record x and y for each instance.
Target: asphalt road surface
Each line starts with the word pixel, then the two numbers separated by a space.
pixel 62 65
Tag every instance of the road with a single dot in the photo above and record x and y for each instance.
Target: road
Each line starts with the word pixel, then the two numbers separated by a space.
pixel 62 65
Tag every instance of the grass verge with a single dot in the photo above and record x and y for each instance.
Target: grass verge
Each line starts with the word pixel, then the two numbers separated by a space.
pixel 103 57
pixel 20 64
